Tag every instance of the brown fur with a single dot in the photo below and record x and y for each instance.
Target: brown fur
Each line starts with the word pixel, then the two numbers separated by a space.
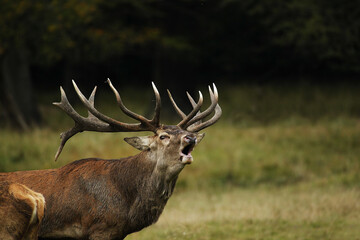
pixel 21 212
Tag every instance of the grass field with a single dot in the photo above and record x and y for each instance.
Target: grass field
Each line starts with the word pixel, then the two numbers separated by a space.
pixel 283 163
pixel 286 213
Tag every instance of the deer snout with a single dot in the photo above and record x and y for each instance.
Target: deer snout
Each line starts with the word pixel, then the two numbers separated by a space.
pixel 190 139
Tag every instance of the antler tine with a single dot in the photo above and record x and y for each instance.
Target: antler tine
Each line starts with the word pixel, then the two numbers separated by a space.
pixel 125 110
pixel 156 118
pixel 214 100
pixel 193 104
pixel 197 128
pixel 64 137
pixel 66 107
pixel 92 103
pixel 178 110
pixel 197 107
pixel 192 101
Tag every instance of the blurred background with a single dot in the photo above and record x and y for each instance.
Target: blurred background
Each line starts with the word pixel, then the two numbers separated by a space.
pixel 282 162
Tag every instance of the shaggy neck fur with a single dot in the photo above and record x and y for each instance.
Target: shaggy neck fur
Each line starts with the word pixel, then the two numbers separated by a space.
pixel 152 184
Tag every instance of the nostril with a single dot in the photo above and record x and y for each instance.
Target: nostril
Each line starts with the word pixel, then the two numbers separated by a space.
pixel 190 139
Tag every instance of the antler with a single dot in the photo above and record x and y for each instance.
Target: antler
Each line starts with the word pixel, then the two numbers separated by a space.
pixel 99 122
pixel 193 121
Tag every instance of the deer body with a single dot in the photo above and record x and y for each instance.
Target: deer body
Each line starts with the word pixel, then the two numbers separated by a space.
pixel 118 197
pixel 109 199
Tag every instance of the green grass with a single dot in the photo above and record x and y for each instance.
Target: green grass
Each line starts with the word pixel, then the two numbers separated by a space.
pixel 277 155
pixel 282 163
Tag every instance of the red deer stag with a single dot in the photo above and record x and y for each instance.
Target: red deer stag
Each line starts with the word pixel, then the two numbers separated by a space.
pixel 21 212
pixel 109 199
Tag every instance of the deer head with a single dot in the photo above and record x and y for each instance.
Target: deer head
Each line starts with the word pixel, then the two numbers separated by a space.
pixel 170 146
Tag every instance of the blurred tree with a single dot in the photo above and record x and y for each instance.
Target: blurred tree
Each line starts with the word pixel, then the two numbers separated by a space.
pixel 16 92
pixel 181 41
pixel 309 35
pixel 72 32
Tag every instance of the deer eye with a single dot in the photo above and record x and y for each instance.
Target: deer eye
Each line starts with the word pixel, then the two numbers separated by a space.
pixel 162 137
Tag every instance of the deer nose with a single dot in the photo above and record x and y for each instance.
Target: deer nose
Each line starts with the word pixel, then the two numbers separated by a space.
pixel 190 139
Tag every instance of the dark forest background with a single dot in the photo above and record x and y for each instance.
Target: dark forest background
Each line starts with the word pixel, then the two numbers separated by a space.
pixel 180 43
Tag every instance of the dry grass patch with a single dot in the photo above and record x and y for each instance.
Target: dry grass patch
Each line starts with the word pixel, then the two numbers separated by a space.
pixel 286 213
pixel 262 204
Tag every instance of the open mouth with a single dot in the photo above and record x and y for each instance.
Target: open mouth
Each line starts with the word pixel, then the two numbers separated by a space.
pixel 185 154
pixel 188 149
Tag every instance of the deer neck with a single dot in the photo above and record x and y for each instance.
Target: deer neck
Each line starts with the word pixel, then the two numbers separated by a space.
pixel 156 188
pixel 164 176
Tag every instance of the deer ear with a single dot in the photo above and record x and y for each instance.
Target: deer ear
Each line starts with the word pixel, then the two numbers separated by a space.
pixel 141 143
pixel 199 137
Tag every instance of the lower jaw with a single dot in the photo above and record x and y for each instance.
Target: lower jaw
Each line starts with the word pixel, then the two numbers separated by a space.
pixel 186 159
